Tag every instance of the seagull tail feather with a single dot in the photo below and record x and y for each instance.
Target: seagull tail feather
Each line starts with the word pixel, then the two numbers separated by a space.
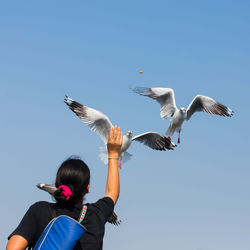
pixel 126 157
pixel 103 154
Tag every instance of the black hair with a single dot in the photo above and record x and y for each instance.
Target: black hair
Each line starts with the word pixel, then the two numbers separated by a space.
pixel 75 174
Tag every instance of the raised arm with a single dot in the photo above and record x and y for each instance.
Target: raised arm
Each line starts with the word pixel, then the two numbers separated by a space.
pixel 114 145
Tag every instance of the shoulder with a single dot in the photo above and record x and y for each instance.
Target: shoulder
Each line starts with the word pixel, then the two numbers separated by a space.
pixel 41 205
pixel 103 207
pixel 103 203
pixel 40 208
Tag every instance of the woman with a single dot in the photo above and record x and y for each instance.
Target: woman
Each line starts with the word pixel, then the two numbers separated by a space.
pixel 72 181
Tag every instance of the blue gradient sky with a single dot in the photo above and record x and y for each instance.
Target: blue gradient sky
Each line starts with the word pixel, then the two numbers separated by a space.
pixel 195 198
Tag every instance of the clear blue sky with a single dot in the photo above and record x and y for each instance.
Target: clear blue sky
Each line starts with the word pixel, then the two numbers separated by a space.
pixel 195 198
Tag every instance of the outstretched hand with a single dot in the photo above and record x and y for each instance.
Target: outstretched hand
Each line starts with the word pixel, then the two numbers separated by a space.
pixel 114 146
pixel 114 141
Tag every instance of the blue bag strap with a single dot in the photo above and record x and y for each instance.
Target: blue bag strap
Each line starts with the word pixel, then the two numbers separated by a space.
pixel 83 213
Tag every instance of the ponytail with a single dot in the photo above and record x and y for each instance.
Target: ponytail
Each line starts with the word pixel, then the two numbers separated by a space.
pixel 72 180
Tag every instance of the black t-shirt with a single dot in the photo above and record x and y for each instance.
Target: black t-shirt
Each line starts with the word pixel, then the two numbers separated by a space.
pixel 39 215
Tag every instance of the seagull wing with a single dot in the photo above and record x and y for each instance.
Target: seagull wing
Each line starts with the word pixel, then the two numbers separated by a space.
pixel 154 141
pixel 114 219
pixel 165 96
pixel 209 105
pixel 96 120
pixel 48 188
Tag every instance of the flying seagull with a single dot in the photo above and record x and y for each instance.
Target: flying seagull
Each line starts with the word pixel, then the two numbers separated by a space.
pixel 114 219
pixel 101 124
pixel 165 96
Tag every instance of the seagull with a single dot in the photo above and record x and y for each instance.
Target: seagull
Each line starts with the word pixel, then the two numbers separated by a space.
pixel 114 219
pixel 101 124
pixel 166 98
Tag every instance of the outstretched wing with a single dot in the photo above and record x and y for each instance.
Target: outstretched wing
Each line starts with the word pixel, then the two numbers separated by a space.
pixel 209 105
pixel 114 219
pixel 48 188
pixel 165 96
pixel 154 141
pixel 96 120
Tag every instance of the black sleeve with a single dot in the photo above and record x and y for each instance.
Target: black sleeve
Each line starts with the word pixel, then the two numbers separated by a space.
pixel 28 225
pixel 105 206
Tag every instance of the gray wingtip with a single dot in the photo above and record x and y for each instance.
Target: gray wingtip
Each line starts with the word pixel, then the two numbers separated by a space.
pixel 67 100
pixel 140 90
pixel 230 112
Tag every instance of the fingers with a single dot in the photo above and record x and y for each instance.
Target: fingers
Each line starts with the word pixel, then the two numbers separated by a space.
pixel 115 140
pixel 120 135
pixel 112 133
pixel 115 134
pixel 111 130
pixel 115 130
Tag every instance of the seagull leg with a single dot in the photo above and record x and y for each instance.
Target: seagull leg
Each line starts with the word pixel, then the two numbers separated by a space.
pixel 169 134
pixel 120 165
pixel 179 136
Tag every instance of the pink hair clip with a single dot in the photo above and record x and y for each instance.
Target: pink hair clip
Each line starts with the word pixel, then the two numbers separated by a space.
pixel 65 191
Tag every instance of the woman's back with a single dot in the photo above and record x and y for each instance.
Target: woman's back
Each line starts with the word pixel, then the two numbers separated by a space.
pixel 40 214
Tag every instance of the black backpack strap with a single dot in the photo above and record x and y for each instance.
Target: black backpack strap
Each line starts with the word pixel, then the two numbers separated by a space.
pixel 83 213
